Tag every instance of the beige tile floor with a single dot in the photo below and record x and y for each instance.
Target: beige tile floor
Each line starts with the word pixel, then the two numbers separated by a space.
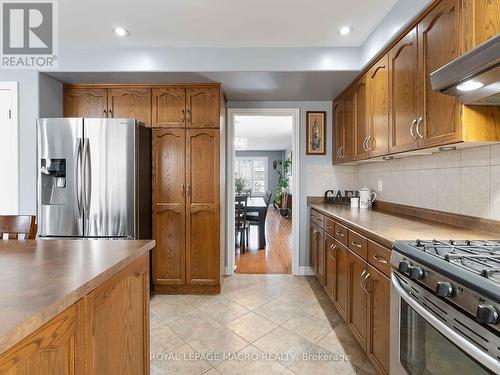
pixel 259 324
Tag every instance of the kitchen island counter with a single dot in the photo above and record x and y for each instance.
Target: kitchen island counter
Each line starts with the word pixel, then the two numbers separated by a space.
pixel 40 279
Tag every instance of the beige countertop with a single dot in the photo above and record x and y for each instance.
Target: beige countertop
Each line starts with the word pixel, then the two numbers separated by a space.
pixel 386 228
pixel 41 278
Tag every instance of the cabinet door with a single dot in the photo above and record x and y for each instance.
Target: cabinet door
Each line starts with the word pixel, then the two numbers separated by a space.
pixel 349 126
pixel 342 279
pixel 169 107
pixel 169 210
pixel 203 221
pixel 404 85
pixel 49 350
pixel 379 290
pixel 202 107
pixel 481 20
pixel 360 120
pixel 338 130
pixel 378 98
pixel 321 257
pixel 313 247
pixel 331 266
pixel 85 102
pixel 358 298
pixel 119 320
pixel 130 103
pixel 440 41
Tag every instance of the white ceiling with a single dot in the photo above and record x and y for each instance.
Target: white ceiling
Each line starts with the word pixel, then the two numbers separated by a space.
pixel 265 132
pixel 219 23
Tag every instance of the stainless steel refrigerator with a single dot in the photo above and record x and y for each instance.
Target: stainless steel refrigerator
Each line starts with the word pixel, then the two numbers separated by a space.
pixel 94 178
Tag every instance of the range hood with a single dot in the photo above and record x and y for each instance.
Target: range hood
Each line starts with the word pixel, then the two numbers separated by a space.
pixel 473 77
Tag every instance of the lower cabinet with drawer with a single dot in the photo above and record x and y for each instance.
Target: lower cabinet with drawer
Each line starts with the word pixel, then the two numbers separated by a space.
pixel 354 271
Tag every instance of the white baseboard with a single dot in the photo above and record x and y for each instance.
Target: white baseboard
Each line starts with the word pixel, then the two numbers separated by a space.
pixel 305 271
pixel 229 272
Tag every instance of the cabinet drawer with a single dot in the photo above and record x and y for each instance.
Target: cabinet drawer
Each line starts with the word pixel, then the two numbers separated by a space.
pixel 317 218
pixel 341 234
pixel 358 244
pixel 329 226
pixel 379 257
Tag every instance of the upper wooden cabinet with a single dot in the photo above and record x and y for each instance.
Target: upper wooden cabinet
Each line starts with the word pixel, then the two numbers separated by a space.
pixel 378 108
pixel 118 102
pixel 202 107
pixel 402 112
pixel 439 42
pixel 130 103
pixel 169 107
pixel 404 85
pixel 85 102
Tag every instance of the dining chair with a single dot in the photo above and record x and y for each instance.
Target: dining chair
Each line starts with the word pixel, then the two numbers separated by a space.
pixel 253 217
pixel 241 224
pixel 20 227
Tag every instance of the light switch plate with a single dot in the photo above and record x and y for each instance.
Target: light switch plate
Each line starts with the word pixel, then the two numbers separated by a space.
pixel 379 186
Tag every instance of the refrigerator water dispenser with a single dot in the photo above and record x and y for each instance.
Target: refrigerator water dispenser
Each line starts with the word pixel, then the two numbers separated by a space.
pixel 53 179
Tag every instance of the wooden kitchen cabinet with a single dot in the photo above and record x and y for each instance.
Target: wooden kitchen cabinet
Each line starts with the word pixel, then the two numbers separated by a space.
pixel 481 21
pixel 169 210
pixel 130 103
pixel 342 279
pixel 338 130
pixel 169 107
pixel 378 107
pixel 202 107
pixel 330 266
pixel 202 207
pixel 85 102
pixel 361 130
pixel 404 86
pixel 348 149
pixel 378 323
pixel 313 247
pixel 439 42
pixel 358 298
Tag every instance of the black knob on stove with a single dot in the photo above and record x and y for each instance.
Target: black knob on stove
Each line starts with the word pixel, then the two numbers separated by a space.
pixel 444 289
pixel 486 314
pixel 416 273
pixel 404 266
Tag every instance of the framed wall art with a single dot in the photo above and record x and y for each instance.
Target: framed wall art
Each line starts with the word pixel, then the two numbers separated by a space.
pixel 316 133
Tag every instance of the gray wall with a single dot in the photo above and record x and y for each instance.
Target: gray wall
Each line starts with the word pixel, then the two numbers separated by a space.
pixel 306 161
pixel 272 177
pixel 51 97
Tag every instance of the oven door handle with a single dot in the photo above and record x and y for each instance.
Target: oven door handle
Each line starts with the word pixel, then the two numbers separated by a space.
pixel 454 337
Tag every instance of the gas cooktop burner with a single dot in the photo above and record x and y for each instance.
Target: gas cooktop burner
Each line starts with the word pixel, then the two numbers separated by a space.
pixel 480 257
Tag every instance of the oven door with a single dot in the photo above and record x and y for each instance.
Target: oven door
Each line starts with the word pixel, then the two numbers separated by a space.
pixel 422 342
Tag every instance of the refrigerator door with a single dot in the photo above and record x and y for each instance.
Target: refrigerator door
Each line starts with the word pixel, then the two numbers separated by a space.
pixel 60 210
pixel 109 175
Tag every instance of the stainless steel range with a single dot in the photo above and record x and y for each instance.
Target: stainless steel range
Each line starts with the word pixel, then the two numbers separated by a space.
pixel 445 306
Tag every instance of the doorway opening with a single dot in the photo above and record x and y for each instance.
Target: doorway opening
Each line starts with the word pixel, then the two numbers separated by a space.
pixel 263 191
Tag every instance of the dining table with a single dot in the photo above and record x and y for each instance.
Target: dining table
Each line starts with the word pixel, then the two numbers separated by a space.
pixel 257 204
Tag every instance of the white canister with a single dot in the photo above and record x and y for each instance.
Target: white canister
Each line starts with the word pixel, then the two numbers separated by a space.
pixel 366 198
pixel 354 202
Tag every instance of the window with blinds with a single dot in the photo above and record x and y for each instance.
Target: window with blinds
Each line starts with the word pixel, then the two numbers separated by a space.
pixel 254 172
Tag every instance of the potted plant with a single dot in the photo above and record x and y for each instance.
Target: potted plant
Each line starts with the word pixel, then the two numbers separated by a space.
pixel 281 192
pixel 239 182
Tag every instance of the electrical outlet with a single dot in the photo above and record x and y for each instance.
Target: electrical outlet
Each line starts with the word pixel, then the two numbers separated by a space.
pixel 379 186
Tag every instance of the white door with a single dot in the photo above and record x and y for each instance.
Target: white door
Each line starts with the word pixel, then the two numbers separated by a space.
pixel 8 149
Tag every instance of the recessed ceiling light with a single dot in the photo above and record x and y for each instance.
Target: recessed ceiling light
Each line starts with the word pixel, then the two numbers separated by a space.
pixel 120 31
pixel 469 85
pixel 345 30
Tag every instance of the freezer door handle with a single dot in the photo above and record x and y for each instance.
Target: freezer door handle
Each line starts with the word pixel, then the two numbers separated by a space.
pixel 87 176
pixel 78 174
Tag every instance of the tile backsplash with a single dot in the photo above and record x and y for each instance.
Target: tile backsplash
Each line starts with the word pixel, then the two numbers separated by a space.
pixel 464 181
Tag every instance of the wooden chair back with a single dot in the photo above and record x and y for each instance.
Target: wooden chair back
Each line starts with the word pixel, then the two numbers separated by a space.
pixel 240 210
pixel 17 227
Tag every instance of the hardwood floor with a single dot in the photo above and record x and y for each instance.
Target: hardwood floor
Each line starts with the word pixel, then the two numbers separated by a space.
pixel 277 256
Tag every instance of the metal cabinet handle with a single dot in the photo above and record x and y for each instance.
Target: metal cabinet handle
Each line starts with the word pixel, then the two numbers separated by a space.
pixel 380 259
pixel 417 127
pixel 182 118
pixel 413 123
pixel 111 113
pixel 188 115
pixel 105 113
pixel 328 226
pixel 188 190
pixel 333 247
pixel 364 144
pixel 340 234
pixel 356 244
pixel 365 282
pixel 183 189
pixel 361 279
pixel 338 152
pixel 342 155
pixel 368 143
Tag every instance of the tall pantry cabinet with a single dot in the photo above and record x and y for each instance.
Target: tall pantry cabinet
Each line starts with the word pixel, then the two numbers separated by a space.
pixel 186 124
